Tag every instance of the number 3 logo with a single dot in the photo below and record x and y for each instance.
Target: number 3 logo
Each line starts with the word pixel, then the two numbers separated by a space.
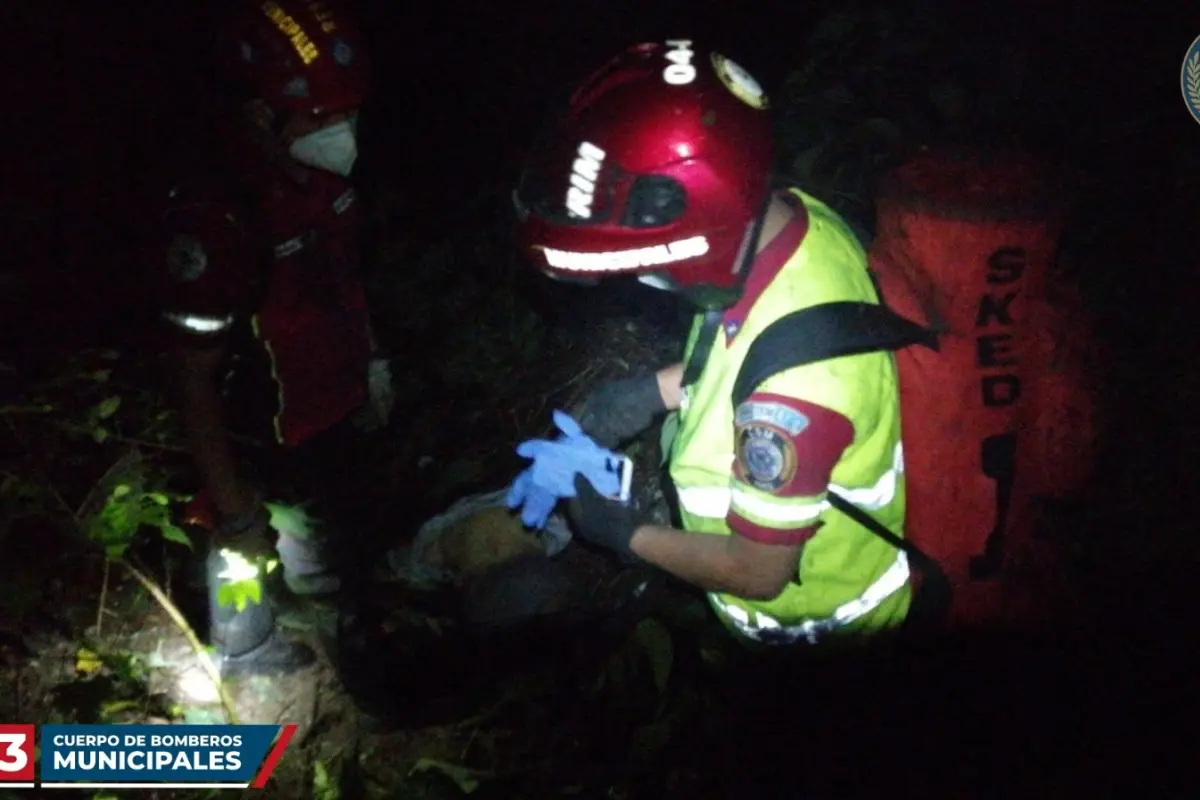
pixel 14 758
pixel 16 753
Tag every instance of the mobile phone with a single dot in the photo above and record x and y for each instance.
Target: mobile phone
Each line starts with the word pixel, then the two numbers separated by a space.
pixel 623 466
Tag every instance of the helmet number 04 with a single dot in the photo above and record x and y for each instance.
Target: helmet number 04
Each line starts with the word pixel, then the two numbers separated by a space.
pixel 680 71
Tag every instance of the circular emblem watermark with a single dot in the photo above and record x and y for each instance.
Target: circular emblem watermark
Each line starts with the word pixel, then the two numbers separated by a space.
pixel 1189 79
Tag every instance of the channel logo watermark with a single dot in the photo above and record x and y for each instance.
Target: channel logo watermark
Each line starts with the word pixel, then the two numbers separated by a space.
pixel 141 756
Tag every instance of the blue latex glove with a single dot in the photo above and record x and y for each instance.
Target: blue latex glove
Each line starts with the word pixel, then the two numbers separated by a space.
pixel 537 503
pixel 556 463
pixel 555 467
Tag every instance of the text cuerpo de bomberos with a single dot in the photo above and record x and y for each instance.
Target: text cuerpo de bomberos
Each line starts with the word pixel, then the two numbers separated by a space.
pixel 115 752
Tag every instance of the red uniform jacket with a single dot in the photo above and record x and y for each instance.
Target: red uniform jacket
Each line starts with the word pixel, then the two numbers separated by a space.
pixel 276 271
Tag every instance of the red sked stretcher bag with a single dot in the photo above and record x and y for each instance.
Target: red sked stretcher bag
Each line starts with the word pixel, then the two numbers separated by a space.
pixel 1003 413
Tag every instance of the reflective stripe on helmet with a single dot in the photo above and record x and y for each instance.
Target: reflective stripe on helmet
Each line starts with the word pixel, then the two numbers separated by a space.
pixel 614 260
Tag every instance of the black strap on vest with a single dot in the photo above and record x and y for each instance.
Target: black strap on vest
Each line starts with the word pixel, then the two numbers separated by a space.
pixel 833 330
pixel 822 332
pixel 702 349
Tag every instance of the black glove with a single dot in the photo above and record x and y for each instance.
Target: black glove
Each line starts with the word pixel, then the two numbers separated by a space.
pixel 601 521
pixel 619 410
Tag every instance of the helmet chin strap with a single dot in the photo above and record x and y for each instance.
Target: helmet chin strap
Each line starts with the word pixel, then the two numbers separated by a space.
pixel 713 300
pixel 657 280
pixel 707 297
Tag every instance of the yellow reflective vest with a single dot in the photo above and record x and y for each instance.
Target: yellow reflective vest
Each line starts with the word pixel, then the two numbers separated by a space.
pixel 849 580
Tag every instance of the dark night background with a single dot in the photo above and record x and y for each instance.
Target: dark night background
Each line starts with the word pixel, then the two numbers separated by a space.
pixel 97 96
pixel 98 92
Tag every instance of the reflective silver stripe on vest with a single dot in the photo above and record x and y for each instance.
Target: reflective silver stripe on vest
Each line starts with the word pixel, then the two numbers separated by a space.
pixel 198 323
pixel 713 501
pixel 343 201
pixel 766 629
pixel 779 513
pixel 884 490
pixel 292 245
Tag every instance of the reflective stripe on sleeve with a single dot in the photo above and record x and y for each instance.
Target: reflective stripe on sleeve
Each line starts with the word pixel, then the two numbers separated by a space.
pixel 714 501
pixel 198 323
pixel 764 628
pixel 789 513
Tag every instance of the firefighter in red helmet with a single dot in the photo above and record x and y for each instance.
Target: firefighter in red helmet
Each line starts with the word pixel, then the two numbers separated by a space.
pixel 262 307
pixel 661 168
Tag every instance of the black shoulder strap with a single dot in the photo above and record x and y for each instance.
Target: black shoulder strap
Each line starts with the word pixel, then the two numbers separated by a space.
pixel 832 330
pixel 932 606
pixel 822 332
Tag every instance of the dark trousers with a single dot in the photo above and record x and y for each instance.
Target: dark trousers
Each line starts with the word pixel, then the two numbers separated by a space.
pixel 325 475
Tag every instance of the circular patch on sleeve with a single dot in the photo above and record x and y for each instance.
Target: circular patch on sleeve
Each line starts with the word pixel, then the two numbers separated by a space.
pixel 767 456
pixel 186 258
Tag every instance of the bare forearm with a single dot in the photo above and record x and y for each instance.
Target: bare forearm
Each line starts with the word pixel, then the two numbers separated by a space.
pixel 701 559
pixel 201 413
pixel 212 451
pixel 670 386
pixel 715 563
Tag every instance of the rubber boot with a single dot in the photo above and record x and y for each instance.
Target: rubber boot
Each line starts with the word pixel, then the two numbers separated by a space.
pixel 247 641
pixel 305 570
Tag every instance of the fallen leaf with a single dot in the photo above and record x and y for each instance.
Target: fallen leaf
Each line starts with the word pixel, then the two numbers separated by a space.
pixel 462 777
pixel 88 662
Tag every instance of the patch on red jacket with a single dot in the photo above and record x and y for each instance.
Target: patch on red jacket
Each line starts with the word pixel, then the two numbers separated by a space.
pixel 787 446
pixel 767 456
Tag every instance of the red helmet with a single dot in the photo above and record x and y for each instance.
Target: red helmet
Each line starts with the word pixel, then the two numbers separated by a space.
pixel 661 165
pixel 306 56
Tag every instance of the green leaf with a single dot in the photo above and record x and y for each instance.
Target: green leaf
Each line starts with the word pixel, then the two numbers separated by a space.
pixel 107 408
pixel 113 707
pixel 99 435
pixel 291 519
pixel 115 525
pixel 120 491
pixel 655 640
pixel 464 778
pixel 324 787
pixel 88 662
pixel 239 594
pixel 159 498
pixel 173 533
